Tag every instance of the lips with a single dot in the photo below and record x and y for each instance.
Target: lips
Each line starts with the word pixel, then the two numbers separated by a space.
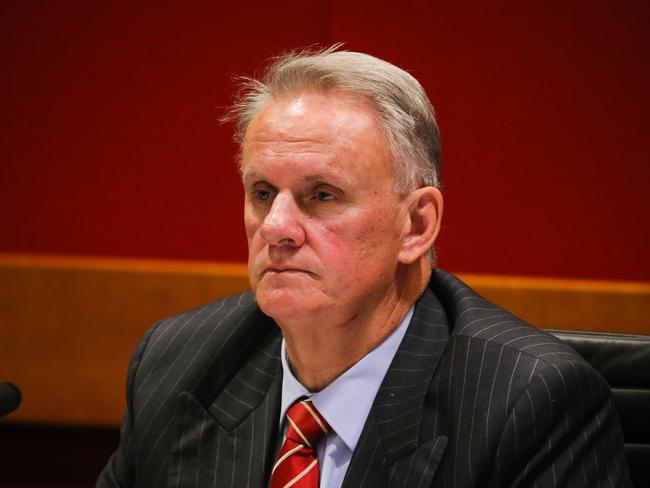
pixel 288 270
pixel 284 270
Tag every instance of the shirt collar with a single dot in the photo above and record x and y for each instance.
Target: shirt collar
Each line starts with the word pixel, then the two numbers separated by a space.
pixel 346 402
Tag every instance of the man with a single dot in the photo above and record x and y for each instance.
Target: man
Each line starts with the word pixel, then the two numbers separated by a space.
pixel 355 362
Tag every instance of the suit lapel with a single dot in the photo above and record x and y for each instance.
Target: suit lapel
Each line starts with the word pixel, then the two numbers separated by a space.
pixel 230 441
pixel 394 449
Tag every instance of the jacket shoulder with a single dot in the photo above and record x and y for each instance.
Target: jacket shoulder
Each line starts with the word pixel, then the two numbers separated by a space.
pixel 205 328
pixel 525 391
pixel 180 351
pixel 200 323
pixel 472 316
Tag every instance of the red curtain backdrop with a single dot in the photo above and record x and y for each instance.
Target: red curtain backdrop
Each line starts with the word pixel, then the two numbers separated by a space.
pixel 109 141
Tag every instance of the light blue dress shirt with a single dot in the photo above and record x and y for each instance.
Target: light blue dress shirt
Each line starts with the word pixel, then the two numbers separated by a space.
pixel 344 403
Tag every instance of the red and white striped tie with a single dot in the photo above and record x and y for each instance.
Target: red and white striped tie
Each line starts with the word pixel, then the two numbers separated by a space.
pixel 297 464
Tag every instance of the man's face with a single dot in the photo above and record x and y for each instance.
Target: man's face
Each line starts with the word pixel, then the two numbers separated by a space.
pixel 322 222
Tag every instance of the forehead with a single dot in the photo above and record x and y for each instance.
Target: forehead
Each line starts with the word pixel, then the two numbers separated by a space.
pixel 315 125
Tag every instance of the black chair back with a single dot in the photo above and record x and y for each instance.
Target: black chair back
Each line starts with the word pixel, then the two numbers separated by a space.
pixel 624 361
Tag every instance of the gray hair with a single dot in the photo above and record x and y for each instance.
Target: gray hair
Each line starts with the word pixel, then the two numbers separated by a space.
pixel 404 110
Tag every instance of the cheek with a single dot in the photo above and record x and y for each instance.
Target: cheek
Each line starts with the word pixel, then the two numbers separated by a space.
pixel 251 224
pixel 377 229
pixel 350 243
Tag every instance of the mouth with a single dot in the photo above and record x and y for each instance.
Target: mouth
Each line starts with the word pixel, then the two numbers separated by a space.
pixel 285 271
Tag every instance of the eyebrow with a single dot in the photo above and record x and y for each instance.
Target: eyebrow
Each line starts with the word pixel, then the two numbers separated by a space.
pixel 319 177
pixel 323 177
pixel 251 174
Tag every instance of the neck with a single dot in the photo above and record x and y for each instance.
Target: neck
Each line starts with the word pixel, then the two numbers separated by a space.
pixel 319 355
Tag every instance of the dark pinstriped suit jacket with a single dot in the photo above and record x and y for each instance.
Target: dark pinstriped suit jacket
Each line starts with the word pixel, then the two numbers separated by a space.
pixel 473 397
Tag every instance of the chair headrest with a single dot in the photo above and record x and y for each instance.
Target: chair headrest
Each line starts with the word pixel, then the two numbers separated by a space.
pixel 623 359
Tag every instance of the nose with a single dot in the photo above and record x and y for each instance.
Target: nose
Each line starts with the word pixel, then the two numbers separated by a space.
pixel 282 225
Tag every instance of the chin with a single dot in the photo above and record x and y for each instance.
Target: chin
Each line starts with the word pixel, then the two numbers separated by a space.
pixel 283 304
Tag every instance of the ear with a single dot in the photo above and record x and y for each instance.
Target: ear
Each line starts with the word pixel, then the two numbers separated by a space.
pixel 422 224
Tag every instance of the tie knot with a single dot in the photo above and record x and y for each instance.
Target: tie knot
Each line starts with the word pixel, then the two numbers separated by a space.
pixel 305 425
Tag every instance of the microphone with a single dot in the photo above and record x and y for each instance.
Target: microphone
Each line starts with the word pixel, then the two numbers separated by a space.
pixel 10 398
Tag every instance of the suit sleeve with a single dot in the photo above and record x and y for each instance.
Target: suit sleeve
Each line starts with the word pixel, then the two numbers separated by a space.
pixel 120 470
pixel 562 431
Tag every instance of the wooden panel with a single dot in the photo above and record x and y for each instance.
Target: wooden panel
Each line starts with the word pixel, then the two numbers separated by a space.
pixel 570 304
pixel 69 325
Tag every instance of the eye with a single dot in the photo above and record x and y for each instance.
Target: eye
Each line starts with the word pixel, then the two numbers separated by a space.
pixel 324 196
pixel 262 195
